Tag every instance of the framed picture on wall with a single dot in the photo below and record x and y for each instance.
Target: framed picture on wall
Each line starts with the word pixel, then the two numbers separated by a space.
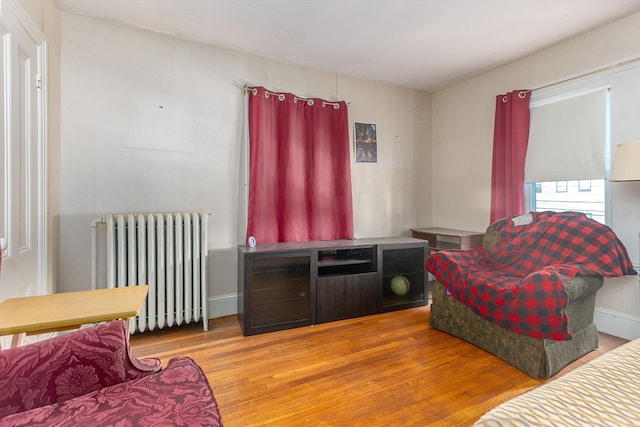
pixel 366 142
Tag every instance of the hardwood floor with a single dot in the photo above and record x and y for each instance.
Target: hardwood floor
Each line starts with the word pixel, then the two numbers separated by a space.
pixel 388 369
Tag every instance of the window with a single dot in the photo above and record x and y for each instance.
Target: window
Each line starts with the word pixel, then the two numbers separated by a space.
pixel 620 112
pixel 566 158
pixel 545 196
pixel 561 186
pixel 584 185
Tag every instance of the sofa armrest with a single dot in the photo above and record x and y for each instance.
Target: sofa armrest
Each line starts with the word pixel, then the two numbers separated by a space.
pixel 581 286
pixel 179 395
pixel 68 366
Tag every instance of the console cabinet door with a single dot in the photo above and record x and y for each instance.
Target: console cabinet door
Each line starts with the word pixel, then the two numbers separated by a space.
pixel 403 264
pixel 277 292
pixel 342 297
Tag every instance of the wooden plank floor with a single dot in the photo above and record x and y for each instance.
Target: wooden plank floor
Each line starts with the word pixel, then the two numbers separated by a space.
pixel 388 369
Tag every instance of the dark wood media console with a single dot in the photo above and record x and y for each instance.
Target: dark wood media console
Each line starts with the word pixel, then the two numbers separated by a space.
pixel 286 285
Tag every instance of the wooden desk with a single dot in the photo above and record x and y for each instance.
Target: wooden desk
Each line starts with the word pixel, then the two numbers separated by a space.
pixel 59 312
pixel 442 239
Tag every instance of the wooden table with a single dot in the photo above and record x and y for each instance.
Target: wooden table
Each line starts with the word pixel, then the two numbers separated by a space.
pixel 69 310
pixel 447 239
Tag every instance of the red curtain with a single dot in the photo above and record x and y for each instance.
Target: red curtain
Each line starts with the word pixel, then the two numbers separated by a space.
pixel 300 168
pixel 510 140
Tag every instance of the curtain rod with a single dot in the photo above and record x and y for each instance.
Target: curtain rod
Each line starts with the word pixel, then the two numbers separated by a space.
pixel 599 70
pixel 281 96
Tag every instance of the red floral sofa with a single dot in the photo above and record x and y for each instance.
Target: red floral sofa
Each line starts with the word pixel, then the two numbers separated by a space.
pixel 90 377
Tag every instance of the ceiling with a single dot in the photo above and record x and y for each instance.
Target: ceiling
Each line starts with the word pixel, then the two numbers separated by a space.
pixel 420 44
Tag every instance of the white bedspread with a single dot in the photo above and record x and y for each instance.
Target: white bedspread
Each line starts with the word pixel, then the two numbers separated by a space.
pixel 603 392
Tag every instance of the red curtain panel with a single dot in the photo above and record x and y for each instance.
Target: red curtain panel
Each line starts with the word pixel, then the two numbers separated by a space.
pixel 300 168
pixel 510 140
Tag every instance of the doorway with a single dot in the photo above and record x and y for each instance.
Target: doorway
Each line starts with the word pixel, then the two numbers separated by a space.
pixel 23 156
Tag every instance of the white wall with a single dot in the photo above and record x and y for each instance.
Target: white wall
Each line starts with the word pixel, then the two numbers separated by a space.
pixel 463 138
pixel 154 123
pixel 115 78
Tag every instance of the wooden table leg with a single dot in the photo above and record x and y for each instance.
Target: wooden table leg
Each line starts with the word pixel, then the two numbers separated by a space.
pixel 15 340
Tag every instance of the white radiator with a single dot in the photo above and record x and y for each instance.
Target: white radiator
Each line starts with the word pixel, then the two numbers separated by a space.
pixel 168 252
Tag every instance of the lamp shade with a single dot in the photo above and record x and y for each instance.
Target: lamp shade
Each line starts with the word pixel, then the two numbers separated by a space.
pixel 626 163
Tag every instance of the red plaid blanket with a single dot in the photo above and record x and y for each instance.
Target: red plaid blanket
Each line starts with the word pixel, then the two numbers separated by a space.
pixel 520 284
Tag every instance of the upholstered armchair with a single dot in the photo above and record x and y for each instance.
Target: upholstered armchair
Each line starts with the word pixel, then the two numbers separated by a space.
pixel 89 377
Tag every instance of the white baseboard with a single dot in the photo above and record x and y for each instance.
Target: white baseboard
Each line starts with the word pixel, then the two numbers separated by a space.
pixel 223 305
pixel 608 321
pixel 617 324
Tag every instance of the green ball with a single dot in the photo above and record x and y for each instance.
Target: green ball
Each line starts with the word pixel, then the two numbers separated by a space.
pixel 400 285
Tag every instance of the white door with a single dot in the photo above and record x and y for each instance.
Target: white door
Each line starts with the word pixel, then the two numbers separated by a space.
pixel 22 156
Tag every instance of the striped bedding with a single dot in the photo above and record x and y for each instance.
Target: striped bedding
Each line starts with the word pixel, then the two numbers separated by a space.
pixel 603 392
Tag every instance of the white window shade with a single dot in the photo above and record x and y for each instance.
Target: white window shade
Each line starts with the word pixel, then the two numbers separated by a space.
pixel 567 139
